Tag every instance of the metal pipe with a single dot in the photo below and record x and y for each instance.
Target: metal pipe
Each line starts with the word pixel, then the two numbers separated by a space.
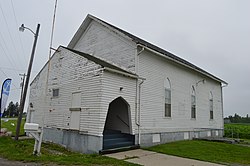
pixel 139 113
pixel 138 94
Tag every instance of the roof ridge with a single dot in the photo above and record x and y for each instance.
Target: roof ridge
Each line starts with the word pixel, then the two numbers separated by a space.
pixel 144 43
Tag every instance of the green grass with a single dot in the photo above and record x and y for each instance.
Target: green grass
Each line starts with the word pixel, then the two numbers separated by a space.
pixel 206 151
pixel 10 127
pixel 239 130
pixel 22 151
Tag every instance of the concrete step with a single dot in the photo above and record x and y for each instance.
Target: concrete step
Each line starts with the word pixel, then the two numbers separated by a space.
pixel 116 139
pixel 118 145
pixel 115 150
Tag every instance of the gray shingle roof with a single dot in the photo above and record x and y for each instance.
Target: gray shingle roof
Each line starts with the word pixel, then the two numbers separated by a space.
pixel 140 41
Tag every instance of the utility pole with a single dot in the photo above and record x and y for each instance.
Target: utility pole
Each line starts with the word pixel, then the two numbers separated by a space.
pixel 22 86
pixel 27 78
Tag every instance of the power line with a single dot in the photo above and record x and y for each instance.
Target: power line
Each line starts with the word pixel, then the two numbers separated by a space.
pixel 14 13
pixel 4 73
pixel 12 63
pixel 6 76
pixel 13 69
pixel 14 89
pixel 5 20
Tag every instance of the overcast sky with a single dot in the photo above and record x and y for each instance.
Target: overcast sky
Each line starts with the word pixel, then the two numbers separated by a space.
pixel 212 34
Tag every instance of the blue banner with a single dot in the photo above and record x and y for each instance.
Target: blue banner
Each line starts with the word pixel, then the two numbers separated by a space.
pixel 5 94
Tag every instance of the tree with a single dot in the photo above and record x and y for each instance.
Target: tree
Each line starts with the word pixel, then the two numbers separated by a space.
pixel 238 119
pixel 12 110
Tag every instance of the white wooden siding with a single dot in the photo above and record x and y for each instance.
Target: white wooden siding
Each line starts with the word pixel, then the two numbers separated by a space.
pixel 37 92
pixel 156 69
pixel 70 73
pixel 100 41
pixel 111 84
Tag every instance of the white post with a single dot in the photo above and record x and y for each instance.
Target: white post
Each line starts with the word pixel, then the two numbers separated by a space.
pixel 37 132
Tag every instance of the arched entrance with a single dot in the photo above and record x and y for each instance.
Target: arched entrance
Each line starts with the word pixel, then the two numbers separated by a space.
pixel 117 129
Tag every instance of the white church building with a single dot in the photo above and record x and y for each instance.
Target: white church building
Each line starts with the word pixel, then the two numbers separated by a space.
pixel 109 89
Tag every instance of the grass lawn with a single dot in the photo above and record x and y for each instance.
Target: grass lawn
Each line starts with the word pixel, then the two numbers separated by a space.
pixel 22 151
pixel 10 127
pixel 207 151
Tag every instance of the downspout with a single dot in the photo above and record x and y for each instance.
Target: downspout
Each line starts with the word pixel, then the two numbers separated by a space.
pixel 138 100
pixel 139 113
pixel 136 106
pixel 222 107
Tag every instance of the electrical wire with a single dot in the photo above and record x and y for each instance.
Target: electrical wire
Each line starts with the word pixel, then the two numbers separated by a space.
pixel 7 57
pixel 12 62
pixel 5 20
pixel 21 43
pixel 14 69
pixel 4 73
pixel 7 76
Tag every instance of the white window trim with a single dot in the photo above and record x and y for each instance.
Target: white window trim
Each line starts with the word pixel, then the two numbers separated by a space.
pixel 211 98
pixel 167 82
pixel 193 93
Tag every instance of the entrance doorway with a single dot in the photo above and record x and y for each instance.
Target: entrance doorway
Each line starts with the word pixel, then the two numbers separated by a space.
pixel 117 129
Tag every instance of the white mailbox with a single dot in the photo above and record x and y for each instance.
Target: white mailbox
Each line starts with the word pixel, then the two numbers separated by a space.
pixel 37 132
pixel 31 126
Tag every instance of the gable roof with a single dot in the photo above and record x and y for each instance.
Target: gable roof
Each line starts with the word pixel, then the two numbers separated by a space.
pixel 99 61
pixel 96 60
pixel 139 42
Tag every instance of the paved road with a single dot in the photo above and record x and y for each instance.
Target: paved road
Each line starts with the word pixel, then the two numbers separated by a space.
pixel 149 158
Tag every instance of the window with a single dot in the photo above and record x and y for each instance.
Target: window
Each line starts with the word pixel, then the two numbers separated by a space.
pixel 55 93
pixel 167 89
pixel 193 103
pixel 211 109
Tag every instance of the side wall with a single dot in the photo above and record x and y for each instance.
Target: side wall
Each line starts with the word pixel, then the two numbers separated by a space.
pixel 156 69
pixel 100 41
pixel 70 73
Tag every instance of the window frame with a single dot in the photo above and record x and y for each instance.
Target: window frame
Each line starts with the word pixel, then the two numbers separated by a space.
pixel 167 99
pixel 53 92
pixel 193 103
pixel 211 106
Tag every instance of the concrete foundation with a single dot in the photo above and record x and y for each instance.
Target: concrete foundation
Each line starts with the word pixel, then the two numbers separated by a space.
pixel 151 139
pixel 84 143
pixel 73 140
